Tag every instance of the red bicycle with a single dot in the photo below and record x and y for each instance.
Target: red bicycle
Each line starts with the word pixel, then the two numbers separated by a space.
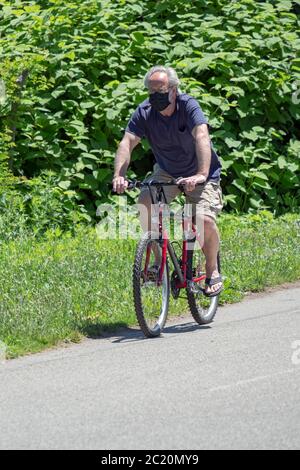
pixel 152 283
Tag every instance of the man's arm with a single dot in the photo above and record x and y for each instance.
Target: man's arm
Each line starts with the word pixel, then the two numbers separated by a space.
pixel 122 161
pixel 203 149
pixel 203 152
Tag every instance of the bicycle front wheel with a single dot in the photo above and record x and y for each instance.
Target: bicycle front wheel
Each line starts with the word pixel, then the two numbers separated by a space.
pixel 151 298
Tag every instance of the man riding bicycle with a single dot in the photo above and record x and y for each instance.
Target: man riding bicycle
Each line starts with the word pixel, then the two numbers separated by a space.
pixel 177 131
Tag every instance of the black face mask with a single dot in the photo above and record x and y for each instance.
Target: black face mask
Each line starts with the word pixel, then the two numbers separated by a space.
pixel 159 101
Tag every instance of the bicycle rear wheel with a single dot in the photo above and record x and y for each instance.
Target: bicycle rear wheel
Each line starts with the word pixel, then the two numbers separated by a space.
pixel 203 309
pixel 151 298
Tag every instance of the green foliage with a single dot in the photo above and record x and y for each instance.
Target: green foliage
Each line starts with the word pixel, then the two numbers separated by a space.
pixel 86 60
pixel 37 205
pixel 63 286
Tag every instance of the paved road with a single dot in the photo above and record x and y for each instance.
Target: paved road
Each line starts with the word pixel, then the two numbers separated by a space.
pixel 235 384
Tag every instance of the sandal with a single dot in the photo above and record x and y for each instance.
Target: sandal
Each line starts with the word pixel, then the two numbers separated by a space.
pixel 211 282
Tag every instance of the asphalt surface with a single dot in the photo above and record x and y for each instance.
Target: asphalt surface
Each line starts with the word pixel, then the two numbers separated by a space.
pixel 232 385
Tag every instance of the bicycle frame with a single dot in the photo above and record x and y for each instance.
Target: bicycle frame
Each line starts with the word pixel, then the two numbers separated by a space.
pixel 152 284
pixel 167 247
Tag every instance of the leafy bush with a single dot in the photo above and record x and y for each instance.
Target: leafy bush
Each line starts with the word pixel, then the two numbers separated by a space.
pixel 36 206
pixel 73 70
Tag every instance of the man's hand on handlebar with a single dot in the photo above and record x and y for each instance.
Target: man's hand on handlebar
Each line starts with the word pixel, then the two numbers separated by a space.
pixel 120 184
pixel 191 182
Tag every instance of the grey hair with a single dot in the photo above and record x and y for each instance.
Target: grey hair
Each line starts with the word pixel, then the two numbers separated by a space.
pixel 171 73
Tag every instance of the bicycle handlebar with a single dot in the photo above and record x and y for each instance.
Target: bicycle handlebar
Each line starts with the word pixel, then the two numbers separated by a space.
pixel 135 184
pixel 141 184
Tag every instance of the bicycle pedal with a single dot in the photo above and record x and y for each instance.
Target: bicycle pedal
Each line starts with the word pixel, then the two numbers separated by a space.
pixel 194 288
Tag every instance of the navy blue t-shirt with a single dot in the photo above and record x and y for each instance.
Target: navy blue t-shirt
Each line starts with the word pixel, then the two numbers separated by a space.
pixel 170 137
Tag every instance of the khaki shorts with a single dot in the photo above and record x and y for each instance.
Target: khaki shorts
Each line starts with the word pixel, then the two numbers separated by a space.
pixel 206 200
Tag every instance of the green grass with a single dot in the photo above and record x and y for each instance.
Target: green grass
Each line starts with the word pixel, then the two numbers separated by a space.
pixel 63 287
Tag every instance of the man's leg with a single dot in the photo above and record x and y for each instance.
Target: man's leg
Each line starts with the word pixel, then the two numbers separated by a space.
pixel 210 249
pixel 145 204
pixel 208 204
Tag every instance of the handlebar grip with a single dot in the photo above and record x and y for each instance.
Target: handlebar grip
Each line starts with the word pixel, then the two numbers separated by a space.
pixel 131 185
